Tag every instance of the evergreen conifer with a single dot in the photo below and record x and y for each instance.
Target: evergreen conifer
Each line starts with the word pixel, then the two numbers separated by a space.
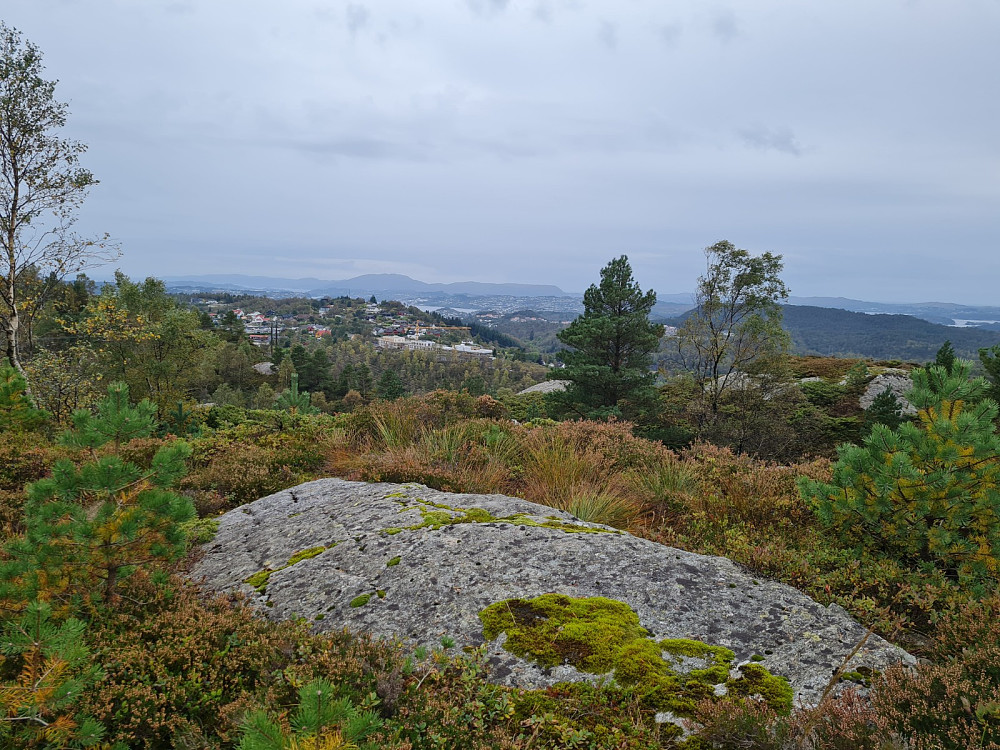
pixel 608 366
pixel 926 493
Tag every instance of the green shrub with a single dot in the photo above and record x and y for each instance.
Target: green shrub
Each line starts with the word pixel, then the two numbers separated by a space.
pixel 321 720
pixel 821 393
pixel 927 493
pixel 17 412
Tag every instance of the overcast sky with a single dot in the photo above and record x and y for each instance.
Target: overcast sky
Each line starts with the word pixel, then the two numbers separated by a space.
pixel 534 140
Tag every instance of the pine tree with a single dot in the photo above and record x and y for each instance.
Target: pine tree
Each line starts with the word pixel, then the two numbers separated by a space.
pixel 390 387
pixel 320 722
pixel 608 366
pixel 926 493
pixel 116 421
pixel 363 379
pixel 945 357
pixel 37 708
pixel 294 401
pixel 990 359
pixel 87 528
pixel 885 409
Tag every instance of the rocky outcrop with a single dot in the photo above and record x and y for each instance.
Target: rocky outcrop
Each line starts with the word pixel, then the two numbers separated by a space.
pixel 546 386
pixel 898 381
pixel 408 561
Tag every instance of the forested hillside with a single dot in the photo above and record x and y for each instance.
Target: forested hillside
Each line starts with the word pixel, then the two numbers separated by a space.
pixel 826 331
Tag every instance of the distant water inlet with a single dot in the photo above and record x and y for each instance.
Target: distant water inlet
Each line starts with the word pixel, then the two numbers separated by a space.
pixel 971 323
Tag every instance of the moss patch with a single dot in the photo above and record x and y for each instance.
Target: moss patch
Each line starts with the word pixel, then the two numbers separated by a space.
pixel 259 579
pixel 756 681
pixel 360 601
pixel 200 530
pixel 601 636
pixel 445 515
pixel 393 562
pixel 305 555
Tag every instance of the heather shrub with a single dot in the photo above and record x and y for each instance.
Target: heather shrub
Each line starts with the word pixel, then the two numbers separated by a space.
pixel 614 440
pixel 821 393
pixel 407 464
pixel 488 407
pixel 828 368
pixel 954 701
pixel 244 463
pixel 240 473
pixel 524 407
pixel 845 722
pixel 25 457
pixel 140 451
pixel 741 489
pixel 174 664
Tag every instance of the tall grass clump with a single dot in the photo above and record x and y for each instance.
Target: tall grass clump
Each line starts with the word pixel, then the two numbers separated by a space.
pixel 665 484
pixel 562 474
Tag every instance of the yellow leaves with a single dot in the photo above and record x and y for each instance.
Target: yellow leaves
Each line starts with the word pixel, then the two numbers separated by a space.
pixel 36 686
pixel 59 729
pixel 329 741
pixel 107 321
pixel 945 410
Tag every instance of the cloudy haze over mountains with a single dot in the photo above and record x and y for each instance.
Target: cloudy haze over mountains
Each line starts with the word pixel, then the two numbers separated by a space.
pixel 508 141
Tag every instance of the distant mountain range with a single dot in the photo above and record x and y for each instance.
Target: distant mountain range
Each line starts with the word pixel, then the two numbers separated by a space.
pixel 505 298
pixel 379 284
pixel 822 330
pixel 831 332
pixel 945 313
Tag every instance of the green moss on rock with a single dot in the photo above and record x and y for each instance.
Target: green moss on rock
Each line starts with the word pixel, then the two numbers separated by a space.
pixel 756 681
pixel 200 530
pixel 360 601
pixel 604 636
pixel 305 555
pixel 260 579
pixel 444 515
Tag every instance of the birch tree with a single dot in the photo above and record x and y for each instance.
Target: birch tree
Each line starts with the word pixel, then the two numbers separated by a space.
pixel 42 185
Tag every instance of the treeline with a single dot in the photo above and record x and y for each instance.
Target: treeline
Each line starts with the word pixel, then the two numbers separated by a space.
pixel 175 355
pixel 533 331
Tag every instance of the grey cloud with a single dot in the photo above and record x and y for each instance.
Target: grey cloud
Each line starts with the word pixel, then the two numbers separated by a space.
pixel 545 10
pixel 771 139
pixel 725 26
pixel 488 7
pixel 359 147
pixel 608 34
pixel 357 17
pixel 670 34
